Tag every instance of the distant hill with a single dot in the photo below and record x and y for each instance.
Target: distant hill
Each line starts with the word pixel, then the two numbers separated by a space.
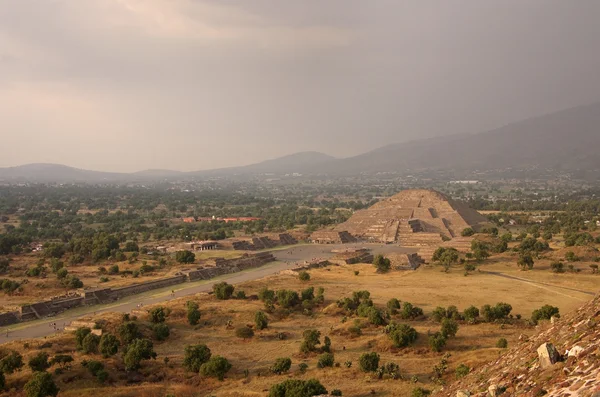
pixel 297 162
pixel 40 172
pixel 567 140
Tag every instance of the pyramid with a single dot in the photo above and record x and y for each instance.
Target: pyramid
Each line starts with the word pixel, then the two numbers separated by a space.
pixel 411 218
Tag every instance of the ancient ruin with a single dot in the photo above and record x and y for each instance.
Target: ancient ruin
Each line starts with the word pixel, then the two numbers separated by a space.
pixel 411 218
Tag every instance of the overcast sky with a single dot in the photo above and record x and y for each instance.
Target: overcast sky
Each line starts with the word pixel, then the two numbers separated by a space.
pixel 126 85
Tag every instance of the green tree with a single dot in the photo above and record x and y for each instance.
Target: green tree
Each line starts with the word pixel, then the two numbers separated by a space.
pixel 462 370
pixel 546 312
pixel 193 313
pixel 281 365
pixel 158 315
pixel 161 331
pixel 61 274
pixel 195 356
pixel 402 335
pixel 185 256
pixel 325 360
pixel 310 341
pixel 558 267
pixel 369 362
pixel 128 332
pixel 382 264
pixel 471 314
pixel 90 343
pixel 39 362
pixel 136 351
pixel 449 328
pixel 63 360
pixel 304 276
pixel 80 334
pixel 297 388
pixel 525 261
pixel 215 367
pixel 244 332
pixel 260 320
pixel 109 345
pixel 467 232
pixel 393 305
pixel 437 342
pixel 11 363
pixel 223 291
pixel 41 385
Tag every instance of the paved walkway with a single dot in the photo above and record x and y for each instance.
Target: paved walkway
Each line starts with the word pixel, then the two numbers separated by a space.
pixel 288 257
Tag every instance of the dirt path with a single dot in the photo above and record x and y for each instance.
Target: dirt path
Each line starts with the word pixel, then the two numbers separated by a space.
pixel 539 284
pixel 288 258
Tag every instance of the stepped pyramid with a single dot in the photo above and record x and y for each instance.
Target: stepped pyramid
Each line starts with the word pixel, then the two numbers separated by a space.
pixel 412 218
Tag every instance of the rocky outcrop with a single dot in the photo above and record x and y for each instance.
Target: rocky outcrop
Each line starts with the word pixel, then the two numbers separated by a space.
pixel 562 360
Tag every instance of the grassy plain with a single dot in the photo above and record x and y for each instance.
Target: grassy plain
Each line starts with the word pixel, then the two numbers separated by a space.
pixel 499 280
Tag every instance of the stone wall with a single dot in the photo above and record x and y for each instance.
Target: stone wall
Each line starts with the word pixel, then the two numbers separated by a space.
pixel 9 318
pixel 225 266
pixel 57 305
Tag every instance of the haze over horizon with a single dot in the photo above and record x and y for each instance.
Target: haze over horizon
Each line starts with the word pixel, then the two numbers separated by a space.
pixel 128 85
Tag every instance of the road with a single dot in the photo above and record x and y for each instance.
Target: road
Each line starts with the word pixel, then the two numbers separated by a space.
pixel 287 258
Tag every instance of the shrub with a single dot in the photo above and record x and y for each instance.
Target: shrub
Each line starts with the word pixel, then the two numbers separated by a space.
pixel 419 392
pixel 72 282
pixel 471 314
pixel 462 370
pixel 93 366
pixel 410 312
pixel 39 362
pixel 109 345
pixel 336 392
pixel 502 343
pixel 63 360
pixel 437 342
pixel 244 332
pixel 467 232
pixel 281 365
pixel 369 362
pixel 557 267
pixel 325 360
pixel 195 356
pixel 215 367
pixel 571 257
pixel 304 276
pixel 260 320
pixel 449 327
pixel 11 363
pixel 311 340
pixel 525 261
pixel 308 294
pixel 185 256
pixel 287 298
pixel 241 295
pixel 223 291
pixel 193 314
pixel 402 335
pixel 393 305
pixel 161 331
pixel 158 315
pixel 266 294
pixel 41 385
pixel 90 344
pixel 128 332
pixel 302 367
pixel 102 376
pixel 546 312
pixel 114 269
pixel 136 351
pixel 382 264
pixel 498 312
pixel 297 388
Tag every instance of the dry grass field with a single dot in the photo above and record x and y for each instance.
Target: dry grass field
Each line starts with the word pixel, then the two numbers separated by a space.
pixel 499 280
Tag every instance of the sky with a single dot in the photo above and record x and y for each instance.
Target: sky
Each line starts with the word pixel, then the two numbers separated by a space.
pixel 128 85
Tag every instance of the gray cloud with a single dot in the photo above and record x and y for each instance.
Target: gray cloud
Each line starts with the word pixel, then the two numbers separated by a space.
pixel 189 84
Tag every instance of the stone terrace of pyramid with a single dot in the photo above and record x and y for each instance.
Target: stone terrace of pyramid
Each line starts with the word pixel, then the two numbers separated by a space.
pixel 413 218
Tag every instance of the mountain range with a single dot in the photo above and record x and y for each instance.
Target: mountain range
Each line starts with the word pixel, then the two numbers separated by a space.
pixel 567 140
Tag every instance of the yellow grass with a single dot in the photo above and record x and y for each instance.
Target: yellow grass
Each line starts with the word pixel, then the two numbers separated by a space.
pixel 427 287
